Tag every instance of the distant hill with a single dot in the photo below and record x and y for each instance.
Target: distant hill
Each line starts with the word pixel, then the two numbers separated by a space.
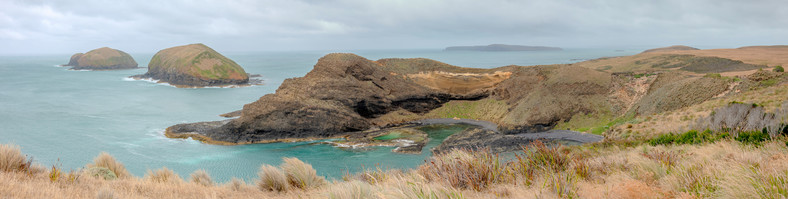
pixel 501 47
pixel 670 48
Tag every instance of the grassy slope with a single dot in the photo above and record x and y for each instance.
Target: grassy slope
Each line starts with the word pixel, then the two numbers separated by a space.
pixel 189 59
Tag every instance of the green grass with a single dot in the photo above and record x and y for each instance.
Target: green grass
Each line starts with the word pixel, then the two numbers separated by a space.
pixel 484 109
pixel 708 136
pixel 596 124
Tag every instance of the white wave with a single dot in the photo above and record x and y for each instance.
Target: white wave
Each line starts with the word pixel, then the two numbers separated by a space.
pixel 151 80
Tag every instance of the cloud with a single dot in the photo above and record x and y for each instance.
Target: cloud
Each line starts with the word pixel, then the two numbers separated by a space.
pixel 246 25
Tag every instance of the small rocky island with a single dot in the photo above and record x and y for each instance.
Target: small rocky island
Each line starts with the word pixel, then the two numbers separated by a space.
pixel 195 65
pixel 501 47
pixel 102 59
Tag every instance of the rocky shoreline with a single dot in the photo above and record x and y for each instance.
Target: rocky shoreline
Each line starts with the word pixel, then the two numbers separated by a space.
pixel 408 138
pixel 254 80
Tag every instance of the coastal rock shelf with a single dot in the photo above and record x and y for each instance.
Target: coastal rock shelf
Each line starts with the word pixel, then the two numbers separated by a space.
pixel 102 59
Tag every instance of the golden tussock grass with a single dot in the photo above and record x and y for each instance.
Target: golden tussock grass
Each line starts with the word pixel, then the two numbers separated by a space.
pixel 163 175
pixel 725 169
pixel 11 158
pixel 107 161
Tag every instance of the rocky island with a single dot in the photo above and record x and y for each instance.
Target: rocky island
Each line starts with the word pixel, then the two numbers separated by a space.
pixel 501 47
pixel 195 65
pixel 102 59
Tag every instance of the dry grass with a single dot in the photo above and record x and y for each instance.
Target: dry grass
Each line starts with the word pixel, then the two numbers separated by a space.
pixel 301 175
pixel 11 159
pixel 272 179
pixel 201 177
pixel 724 169
pixel 163 175
pixel 107 161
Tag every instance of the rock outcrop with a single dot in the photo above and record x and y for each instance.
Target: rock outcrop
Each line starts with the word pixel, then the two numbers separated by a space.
pixel 102 59
pixel 194 65
pixel 670 48
pixel 341 94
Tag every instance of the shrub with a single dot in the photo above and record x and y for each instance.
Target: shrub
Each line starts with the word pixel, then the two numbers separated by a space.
pixel 300 174
pixel 272 179
pixel 107 161
pixel 11 159
pixel 753 137
pixel 201 177
pixel 740 117
pixel 101 173
pixel 778 69
pixel 163 175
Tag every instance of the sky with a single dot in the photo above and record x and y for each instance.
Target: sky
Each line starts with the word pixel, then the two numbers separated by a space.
pixel 146 26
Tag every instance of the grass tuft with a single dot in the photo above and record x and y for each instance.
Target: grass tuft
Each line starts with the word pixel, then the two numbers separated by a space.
pixel 11 159
pixel 163 175
pixel 466 169
pixel 107 161
pixel 301 175
pixel 272 179
pixel 201 177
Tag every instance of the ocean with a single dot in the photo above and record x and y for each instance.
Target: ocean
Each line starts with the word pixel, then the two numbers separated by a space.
pixel 66 118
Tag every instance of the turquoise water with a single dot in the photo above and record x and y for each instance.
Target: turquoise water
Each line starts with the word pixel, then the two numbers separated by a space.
pixel 66 118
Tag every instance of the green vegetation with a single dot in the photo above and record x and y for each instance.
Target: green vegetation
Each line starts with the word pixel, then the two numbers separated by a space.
pixel 643 75
pixel 708 136
pixel 778 69
pixel 485 109
pixel 596 124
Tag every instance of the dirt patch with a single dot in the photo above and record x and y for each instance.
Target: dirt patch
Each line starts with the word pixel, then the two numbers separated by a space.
pixel 459 83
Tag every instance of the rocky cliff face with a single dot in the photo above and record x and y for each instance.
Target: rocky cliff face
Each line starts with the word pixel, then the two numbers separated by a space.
pixel 194 65
pixel 341 94
pixel 345 93
pixel 102 59
pixel 74 61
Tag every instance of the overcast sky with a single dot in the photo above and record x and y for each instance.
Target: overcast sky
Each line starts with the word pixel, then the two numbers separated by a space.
pixel 29 26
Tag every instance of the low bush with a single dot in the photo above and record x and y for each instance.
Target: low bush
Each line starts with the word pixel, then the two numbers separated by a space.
pixel 778 69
